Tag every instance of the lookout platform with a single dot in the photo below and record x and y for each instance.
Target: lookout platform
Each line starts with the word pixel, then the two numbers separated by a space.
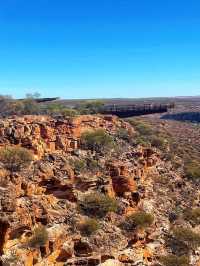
pixel 124 111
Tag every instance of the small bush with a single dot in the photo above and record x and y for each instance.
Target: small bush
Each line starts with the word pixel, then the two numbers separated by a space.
pixel 173 260
pixel 29 107
pixel 187 237
pixel 141 140
pixel 97 205
pixel 39 238
pixel 92 165
pixel 59 109
pixel 192 215
pixel 90 107
pixel 192 170
pixel 138 220
pixel 89 227
pixel 78 165
pixel 142 128
pixel 15 158
pixel 98 140
pixel 146 135
pixel 123 134
pixel 85 165
pixel 54 108
pixel 158 142
pixel 69 112
pixel 23 107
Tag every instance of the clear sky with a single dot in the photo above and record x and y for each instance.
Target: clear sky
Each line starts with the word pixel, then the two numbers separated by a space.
pixel 100 48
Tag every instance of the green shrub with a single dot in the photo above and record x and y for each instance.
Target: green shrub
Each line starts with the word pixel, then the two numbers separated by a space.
pixel 59 109
pixel 141 140
pixel 90 107
pixel 192 170
pixel 142 128
pixel 89 227
pixel 123 134
pixel 69 112
pixel 192 215
pixel 158 142
pixel 97 205
pixel 14 158
pixel 139 219
pixel 78 165
pixel 173 260
pixel 30 107
pixel 23 107
pixel 54 108
pixel 187 237
pixel 39 238
pixel 98 140
pixel 146 135
pixel 93 165
pixel 88 164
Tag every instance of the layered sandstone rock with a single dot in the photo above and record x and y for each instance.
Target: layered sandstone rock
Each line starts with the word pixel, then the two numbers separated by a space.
pixel 47 193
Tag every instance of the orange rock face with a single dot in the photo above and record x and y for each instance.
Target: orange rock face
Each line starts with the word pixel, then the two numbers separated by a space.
pixel 123 184
pixel 48 192
pixel 43 134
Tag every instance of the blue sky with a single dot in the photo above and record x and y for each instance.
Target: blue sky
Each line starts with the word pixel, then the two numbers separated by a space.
pixel 100 48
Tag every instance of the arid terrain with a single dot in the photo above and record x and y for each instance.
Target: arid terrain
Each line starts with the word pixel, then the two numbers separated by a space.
pixel 181 124
pixel 91 189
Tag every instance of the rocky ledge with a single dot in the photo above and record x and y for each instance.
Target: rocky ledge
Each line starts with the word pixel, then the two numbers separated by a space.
pixel 47 209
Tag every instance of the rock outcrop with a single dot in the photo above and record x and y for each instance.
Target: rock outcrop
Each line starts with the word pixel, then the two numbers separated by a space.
pixel 47 193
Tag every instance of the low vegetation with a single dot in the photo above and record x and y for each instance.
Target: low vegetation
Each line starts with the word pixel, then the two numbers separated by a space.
pixel 78 165
pixel 57 109
pixel 85 165
pixel 187 236
pixel 192 169
pixel 89 227
pixel 193 216
pixel 173 260
pixel 31 106
pixel 90 107
pixel 180 145
pixel 28 107
pixel 39 238
pixel 98 140
pixel 142 128
pixel 15 158
pixel 69 112
pixel 147 136
pixel 138 220
pixel 123 134
pixel 158 142
pixel 93 165
pixel 97 205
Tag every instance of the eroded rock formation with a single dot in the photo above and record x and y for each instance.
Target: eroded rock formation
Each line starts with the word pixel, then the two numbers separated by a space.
pixel 48 191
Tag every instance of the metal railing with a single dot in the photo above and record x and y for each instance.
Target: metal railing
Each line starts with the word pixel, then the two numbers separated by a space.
pixel 135 107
